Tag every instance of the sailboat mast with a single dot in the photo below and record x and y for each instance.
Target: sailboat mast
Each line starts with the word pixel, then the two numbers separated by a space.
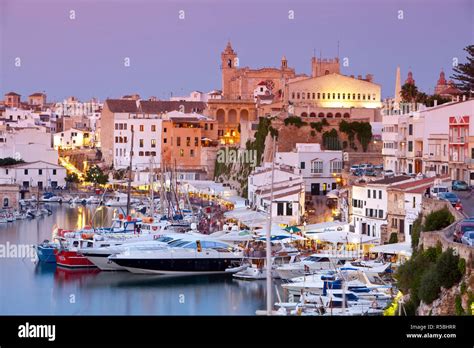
pixel 162 192
pixel 268 237
pixel 129 187
pixel 152 187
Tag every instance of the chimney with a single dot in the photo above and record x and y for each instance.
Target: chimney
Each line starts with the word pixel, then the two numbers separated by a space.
pixel 359 77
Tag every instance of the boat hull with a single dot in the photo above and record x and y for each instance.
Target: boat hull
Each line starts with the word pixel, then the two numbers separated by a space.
pixel 103 263
pixel 46 254
pixel 183 266
pixel 72 259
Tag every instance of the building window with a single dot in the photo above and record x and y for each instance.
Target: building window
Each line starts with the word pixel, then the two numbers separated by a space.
pixel 153 142
pixel 317 167
pixel 298 95
pixel 178 141
pixel 309 95
pixel 54 171
pixel 375 193
pixel 40 171
pixel 319 95
pixel 338 114
pixel 164 130
pixel 196 141
pixel 314 95
pixel 141 142
pixel 212 126
pixel 336 166
pixel 205 126
pixel 165 140
pixel 181 153
pixel 293 95
pixel 380 194
pixel 142 128
pixel 6 171
pixel 410 129
pixel 191 153
pixel 188 141
pixel 26 171
pixel 302 165
pixel 358 96
pixel 289 208
pixel 153 153
pixel 5 202
pixel 280 208
pixel 329 114
pixel 368 193
pixel 410 146
pixel 380 213
pixel 153 128
pixel 321 114
pixel 140 153
pixel 346 115
pixel 339 96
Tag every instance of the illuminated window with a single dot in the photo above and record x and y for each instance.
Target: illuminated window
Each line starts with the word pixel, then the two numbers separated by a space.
pixel 153 142
pixel 181 153
pixel 141 142
pixel 142 128
pixel 188 141
pixel 153 128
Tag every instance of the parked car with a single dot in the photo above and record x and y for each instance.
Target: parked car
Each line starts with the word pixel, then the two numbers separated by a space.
pixel 459 185
pixel 378 167
pixel 354 168
pixel 450 197
pixel 388 173
pixel 468 238
pixel 366 166
pixel 461 228
pixel 358 172
pixel 437 189
pixel 370 172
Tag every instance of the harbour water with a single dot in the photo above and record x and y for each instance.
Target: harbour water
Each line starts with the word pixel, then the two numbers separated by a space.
pixel 29 288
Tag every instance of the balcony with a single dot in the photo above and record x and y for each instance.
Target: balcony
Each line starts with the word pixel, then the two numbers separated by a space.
pixel 418 153
pixel 401 153
pixel 457 140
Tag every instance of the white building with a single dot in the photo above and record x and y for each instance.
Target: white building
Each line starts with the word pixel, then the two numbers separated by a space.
pixel 38 174
pixel 288 192
pixel 146 142
pixel 28 144
pixel 198 96
pixel 71 139
pixel 369 205
pixel 436 140
pixel 73 107
pixel 321 169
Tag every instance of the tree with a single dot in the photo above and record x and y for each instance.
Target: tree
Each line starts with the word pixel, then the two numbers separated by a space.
pixel 393 238
pixel 438 220
pixel 447 269
pixel 95 175
pixel 409 93
pixel 429 286
pixel 464 73
pixel 72 178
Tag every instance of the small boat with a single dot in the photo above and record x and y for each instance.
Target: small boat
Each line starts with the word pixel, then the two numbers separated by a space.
pixel 19 215
pixel 120 200
pixel 3 219
pixel 78 200
pixel 45 251
pixel 92 200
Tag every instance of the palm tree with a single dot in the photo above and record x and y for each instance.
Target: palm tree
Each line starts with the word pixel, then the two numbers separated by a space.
pixel 409 93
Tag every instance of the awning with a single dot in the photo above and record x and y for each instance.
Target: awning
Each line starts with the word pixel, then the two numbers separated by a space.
pixel 395 249
pixel 341 237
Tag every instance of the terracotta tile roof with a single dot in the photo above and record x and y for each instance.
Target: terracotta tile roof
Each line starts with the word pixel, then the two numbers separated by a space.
pixel 421 189
pixel 38 94
pixel 122 105
pixel 162 106
pixel 389 181
pixel 13 94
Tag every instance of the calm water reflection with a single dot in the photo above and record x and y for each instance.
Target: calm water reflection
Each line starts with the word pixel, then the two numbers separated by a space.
pixel 29 288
